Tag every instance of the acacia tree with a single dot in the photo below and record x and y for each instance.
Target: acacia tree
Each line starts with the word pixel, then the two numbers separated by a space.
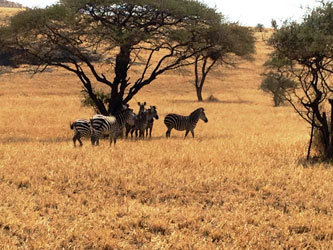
pixel 79 34
pixel 277 80
pixel 226 43
pixel 307 52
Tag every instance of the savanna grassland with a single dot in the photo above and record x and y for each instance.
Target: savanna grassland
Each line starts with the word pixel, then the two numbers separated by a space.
pixel 241 183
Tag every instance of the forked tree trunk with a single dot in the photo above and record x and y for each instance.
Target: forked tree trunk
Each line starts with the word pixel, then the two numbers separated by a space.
pixel 199 93
pixel 120 81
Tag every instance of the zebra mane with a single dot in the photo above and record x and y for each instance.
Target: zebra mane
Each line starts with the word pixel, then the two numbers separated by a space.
pixel 196 112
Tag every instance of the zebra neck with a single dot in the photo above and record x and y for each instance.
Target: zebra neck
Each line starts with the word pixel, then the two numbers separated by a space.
pixel 121 119
pixel 194 118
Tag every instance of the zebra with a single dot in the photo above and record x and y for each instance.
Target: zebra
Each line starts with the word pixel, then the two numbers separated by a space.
pixel 145 121
pixel 187 123
pixel 131 128
pixel 81 128
pixel 110 125
pixel 152 113
pixel 141 124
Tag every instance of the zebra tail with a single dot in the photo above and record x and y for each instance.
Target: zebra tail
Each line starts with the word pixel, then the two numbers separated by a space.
pixel 71 125
pixel 91 127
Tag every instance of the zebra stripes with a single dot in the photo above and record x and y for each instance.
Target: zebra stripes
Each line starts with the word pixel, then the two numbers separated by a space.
pixel 152 114
pixel 100 125
pixel 81 128
pixel 110 125
pixel 130 128
pixel 187 123
pixel 144 122
pixel 141 124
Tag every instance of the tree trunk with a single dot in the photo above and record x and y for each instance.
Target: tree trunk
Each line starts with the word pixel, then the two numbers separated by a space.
pixel 325 133
pixel 120 81
pixel 199 93
pixel 331 129
pixel 311 137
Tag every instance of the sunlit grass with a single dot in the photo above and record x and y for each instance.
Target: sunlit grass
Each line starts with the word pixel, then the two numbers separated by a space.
pixel 238 184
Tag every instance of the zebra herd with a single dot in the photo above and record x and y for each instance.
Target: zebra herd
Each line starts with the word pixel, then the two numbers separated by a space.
pixel 140 124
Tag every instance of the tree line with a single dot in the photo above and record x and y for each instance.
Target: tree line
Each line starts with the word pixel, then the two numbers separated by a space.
pixel 161 35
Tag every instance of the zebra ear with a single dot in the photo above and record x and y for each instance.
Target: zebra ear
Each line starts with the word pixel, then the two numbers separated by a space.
pixel 144 103
pixel 139 103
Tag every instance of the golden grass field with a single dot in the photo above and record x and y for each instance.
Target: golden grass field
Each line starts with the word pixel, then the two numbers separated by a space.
pixel 6 13
pixel 242 183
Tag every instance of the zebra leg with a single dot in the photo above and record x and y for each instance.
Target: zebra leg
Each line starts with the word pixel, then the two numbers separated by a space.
pixel 74 139
pixel 79 139
pixel 186 133
pixel 168 133
pixel 192 132
pixel 93 140
pixel 113 137
pixel 128 129
pixel 150 129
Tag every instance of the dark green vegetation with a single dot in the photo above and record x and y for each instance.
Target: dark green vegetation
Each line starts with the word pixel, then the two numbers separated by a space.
pixel 303 52
pixel 160 35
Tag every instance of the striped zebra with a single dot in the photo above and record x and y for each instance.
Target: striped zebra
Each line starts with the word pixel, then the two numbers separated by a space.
pixel 131 128
pixel 81 128
pixel 182 123
pixel 152 113
pixel 145 121
pixel 140 124
pixel 110 125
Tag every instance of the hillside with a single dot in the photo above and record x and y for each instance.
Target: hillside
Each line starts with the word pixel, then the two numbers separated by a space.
pixel 7 12
pixel 9 4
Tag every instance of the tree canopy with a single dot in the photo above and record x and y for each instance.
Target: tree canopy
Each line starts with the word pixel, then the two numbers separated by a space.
pixel 79 34
pixel 227 41
pixel 303 52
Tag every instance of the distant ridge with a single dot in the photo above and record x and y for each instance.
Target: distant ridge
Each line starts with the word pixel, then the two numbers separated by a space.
pixel 9 4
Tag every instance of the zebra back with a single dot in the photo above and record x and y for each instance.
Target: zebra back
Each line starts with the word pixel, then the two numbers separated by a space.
pixel 82 127
pixel 111 124
pixel 180 122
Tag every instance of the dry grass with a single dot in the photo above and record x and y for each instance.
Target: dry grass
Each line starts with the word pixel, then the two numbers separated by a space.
pixel 6 13
pixel 238 184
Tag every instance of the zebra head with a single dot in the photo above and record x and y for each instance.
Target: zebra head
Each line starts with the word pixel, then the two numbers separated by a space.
pixel 152 110
pixel 202 114
pixel 141 107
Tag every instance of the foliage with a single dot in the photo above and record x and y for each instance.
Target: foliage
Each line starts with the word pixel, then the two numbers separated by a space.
pixel 227 43
pixel 277 85
pixel 305 54
pixel 88 102
pixel 260 27
pixel 72 34
pixel 274 24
